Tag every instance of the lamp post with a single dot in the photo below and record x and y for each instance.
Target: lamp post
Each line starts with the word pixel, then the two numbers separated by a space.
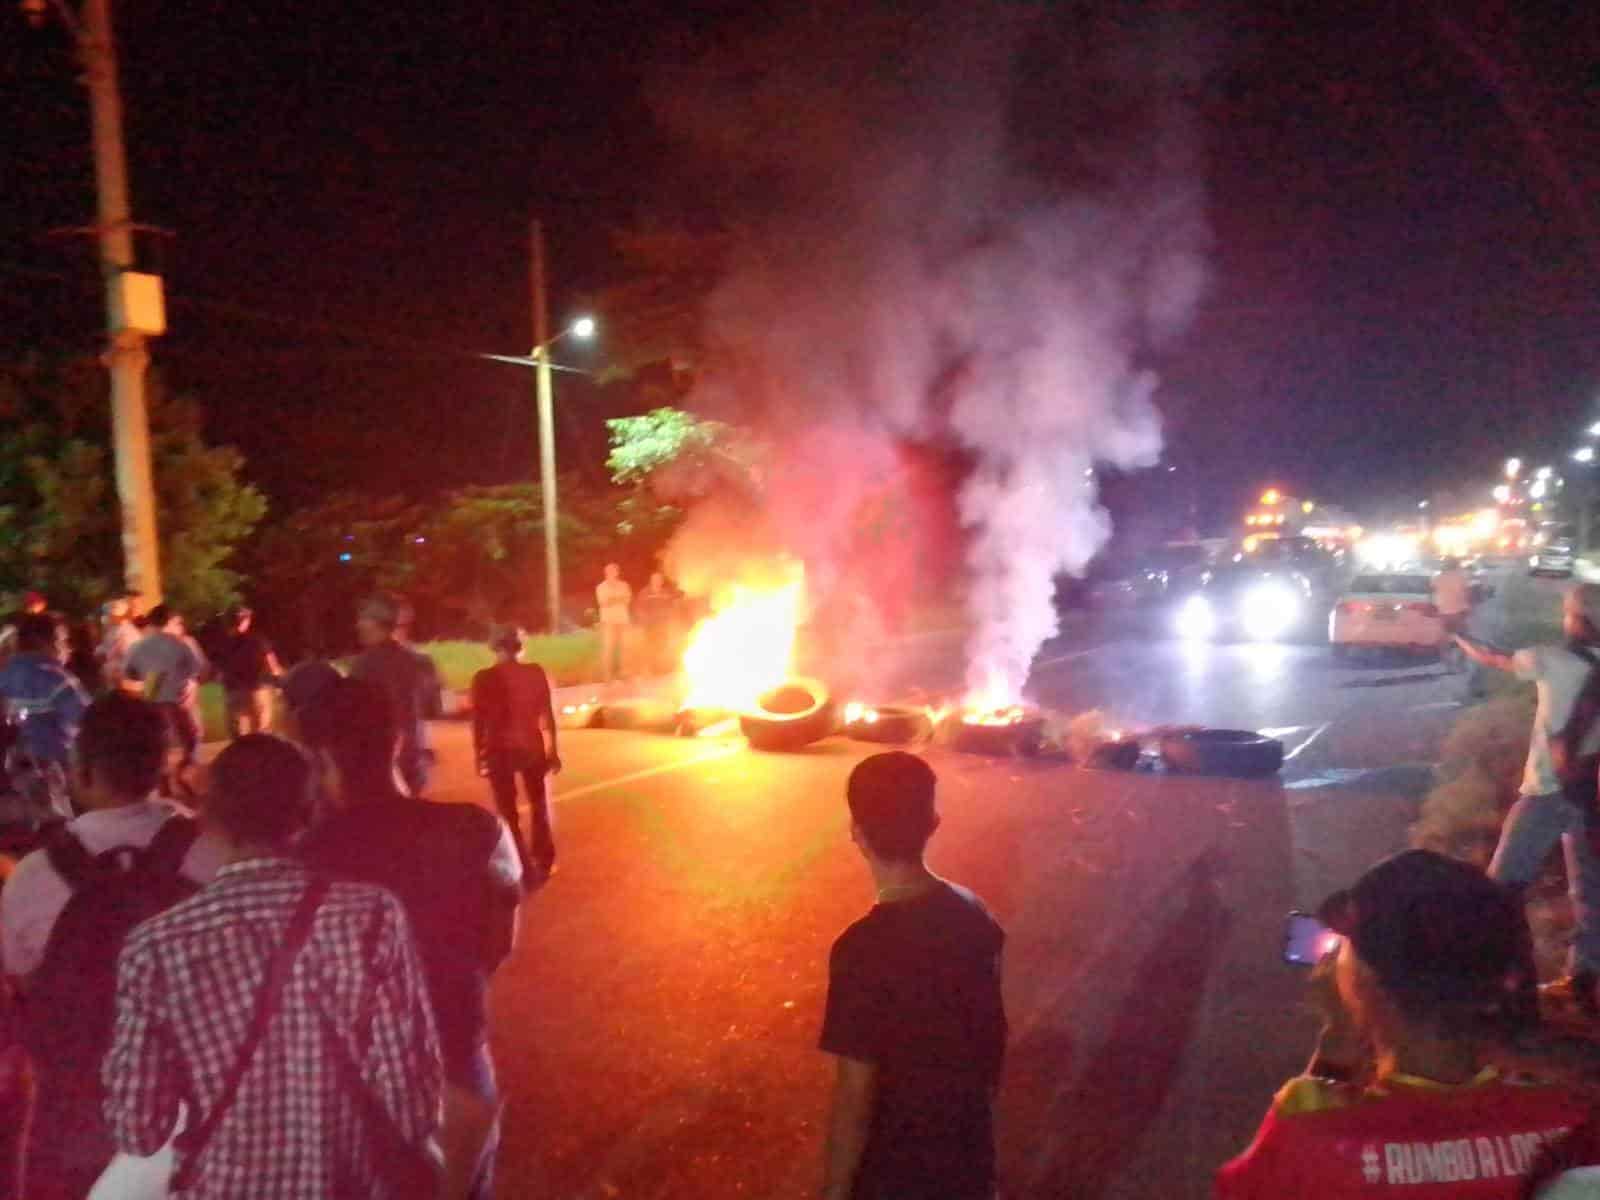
pixel 134 306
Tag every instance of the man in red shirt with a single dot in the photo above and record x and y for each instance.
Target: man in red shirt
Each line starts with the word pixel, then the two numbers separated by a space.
pixel 1423 975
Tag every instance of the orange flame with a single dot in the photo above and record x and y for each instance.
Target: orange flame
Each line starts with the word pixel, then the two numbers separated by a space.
pixel 745 648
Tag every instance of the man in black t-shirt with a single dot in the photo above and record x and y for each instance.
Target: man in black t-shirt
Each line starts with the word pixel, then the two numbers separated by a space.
pixel 246 663
pixel 914 1014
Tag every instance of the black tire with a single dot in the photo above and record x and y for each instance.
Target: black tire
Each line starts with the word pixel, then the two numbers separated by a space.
pixel 894 726
pixel 1023 739
pixel 793 714
pixel 1237 752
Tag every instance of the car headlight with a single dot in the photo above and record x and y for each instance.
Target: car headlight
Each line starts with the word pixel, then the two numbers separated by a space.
pixel 1268 611
pixel 1196 621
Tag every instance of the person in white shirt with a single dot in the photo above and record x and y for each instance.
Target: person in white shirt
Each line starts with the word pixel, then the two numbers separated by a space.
pixel 1545 813
pixel 615 599
pixel 120 752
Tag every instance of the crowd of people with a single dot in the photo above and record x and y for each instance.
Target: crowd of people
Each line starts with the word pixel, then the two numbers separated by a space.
pixel 278 986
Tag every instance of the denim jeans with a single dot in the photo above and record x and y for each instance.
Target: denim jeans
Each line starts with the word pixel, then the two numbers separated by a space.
pixel 1532 828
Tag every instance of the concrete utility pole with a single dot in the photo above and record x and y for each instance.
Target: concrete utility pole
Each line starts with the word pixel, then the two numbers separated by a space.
pixel 133 309
pixel 547 429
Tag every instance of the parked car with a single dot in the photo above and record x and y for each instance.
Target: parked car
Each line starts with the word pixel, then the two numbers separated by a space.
pixel 1552 558
pixel 1386 611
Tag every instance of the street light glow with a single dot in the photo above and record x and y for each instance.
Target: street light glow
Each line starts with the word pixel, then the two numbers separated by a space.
pixel 1583 454
pixel 1544 472
pixel 1513 467
pixel 1503 493
pixel 1594 430
pixel 583 327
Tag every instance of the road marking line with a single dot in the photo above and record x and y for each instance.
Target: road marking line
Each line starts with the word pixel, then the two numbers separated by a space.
pixel 1315 734
pixel 590 789
pixel 1282 731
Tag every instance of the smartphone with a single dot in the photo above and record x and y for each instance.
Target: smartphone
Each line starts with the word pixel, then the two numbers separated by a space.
pixel 1306 940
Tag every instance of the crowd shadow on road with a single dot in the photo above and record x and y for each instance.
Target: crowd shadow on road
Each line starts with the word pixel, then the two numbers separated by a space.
pixel 1070 1140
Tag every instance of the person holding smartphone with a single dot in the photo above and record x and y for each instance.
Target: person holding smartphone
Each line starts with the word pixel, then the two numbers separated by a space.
pixel 1556 797
pixel 1404 1093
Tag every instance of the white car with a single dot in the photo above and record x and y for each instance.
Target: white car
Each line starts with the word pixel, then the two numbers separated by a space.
pixel 1386 610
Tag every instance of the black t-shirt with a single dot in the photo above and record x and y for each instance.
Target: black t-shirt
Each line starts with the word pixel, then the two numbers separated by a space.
pixel 914 988
pixel 439 861
pixel 243 661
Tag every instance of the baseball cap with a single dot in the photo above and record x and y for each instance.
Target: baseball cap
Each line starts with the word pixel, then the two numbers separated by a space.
pixel 1429 924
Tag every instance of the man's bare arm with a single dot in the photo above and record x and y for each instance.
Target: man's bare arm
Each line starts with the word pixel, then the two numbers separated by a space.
pixel 1485 655
pixel 855 1090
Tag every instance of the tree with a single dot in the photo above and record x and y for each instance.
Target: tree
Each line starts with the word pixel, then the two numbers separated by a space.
pixel 60 526
pixel 683 457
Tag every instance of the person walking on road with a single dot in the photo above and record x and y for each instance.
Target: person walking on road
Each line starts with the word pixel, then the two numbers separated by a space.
pixel 615 599
pixel 288 1015
pixel 1556 800
pixel 118 636
pixel 914 1016
pixel 246 664
pixel 408 678
pixel 514 734
pixel 458 877
pixel 170 665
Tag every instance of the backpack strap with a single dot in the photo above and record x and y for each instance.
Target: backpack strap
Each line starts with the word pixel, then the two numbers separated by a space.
pixel 172 844
pixel 70 859
pixel 165 853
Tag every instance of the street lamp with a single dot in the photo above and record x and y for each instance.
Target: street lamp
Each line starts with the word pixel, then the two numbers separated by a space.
pixel 1594 430
pixel 539 358
pixel 1513 467
pixel 1583 454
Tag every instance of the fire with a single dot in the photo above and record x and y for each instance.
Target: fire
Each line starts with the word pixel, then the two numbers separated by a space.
pixel 1009 714
pixel 745 648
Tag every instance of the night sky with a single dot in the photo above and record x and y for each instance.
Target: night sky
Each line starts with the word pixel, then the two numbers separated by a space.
pixel 1403 210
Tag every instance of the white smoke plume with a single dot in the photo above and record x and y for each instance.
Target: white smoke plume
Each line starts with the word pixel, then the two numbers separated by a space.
pixel 969 224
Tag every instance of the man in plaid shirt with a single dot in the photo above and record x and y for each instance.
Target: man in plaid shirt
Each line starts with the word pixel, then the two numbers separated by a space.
pixel 187 987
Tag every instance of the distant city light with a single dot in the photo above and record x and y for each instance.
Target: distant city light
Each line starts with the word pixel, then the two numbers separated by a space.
pixel 1544 472
pixel 1537 490
pixel 1513 467
pixel 1583 454
pixel 1594 430
pixel 1270 496
pixel 1502 494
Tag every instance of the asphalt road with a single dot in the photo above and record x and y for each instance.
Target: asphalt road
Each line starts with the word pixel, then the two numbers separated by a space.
pixel 656 1027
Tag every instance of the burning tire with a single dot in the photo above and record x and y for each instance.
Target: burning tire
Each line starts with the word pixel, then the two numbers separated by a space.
pixel 1237 752
pixel 1022 736
pixel 794 714
pixel 889 725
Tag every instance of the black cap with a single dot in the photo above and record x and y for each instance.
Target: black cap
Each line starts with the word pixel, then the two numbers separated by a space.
pixel 1429 923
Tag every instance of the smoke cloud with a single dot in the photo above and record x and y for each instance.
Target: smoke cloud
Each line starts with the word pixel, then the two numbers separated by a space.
pixel 972 225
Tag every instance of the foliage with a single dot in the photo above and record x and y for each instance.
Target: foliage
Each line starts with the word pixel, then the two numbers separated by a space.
pixel 471 558
pixel 684 457
pixel 60 525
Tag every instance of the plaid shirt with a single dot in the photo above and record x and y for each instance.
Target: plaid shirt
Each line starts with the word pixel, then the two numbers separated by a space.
pixel 187 985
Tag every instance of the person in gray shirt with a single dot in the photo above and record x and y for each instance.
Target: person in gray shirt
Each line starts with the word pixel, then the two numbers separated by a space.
pixel 169 666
